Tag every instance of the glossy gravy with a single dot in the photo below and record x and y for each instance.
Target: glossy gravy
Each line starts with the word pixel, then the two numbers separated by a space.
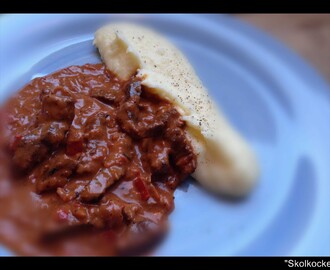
pixel 89 165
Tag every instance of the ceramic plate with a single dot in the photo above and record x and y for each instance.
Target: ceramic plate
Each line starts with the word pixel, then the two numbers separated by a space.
pixel 278 102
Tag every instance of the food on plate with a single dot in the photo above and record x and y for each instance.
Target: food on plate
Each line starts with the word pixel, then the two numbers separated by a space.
pixel 97 151
pixel 225 163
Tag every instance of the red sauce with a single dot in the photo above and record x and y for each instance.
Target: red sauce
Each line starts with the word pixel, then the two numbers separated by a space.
pixel 96 161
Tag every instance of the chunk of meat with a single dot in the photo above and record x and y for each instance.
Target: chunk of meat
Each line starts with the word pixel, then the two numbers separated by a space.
pixel 54 173
pixel 71 190
pixel 95 127
pixel 185 163
pixel 108 92
pixel 34 146
pixel 75 141
pixel 114 167
pixel 77 215
pixel 103 180
pixel 140 120
pixel 74 147
pixel 111 213
pixel 158 156
pixel 92 158
pixel 96 148
pixel 53 133
pixel 89 142
pixel 181 151
pixel 29 151
pixel 58 107
pixel 140 123
pixel 131 211
pixel 42 136
pixel 106 96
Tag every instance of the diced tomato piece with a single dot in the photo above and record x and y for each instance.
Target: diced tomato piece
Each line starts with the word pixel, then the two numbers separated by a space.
pixel 74 147
pixel 142 188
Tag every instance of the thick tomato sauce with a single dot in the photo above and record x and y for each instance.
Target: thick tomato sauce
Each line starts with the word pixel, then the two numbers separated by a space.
pixel 95 162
